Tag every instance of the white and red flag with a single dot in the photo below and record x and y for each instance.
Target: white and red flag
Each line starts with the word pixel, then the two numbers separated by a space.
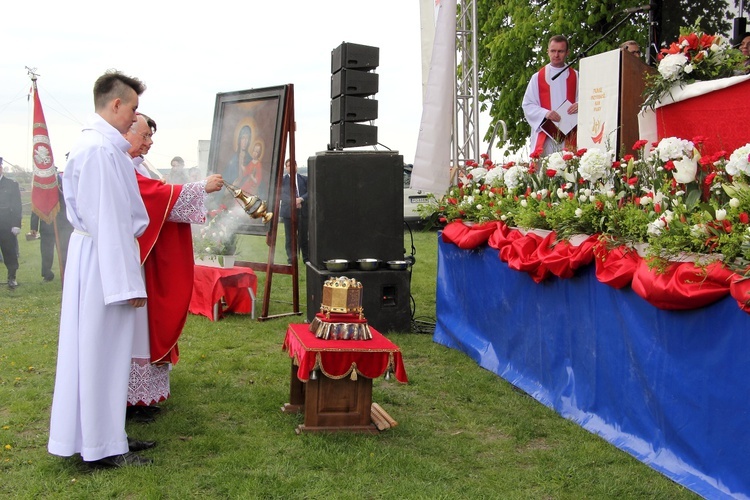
pixel 44 194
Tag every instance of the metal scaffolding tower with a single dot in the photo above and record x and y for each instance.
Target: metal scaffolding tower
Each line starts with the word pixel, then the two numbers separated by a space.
pixel 466 135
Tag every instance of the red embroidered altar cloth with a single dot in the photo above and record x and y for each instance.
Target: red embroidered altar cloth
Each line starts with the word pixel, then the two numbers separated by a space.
pixel 337 358
pixel 210 284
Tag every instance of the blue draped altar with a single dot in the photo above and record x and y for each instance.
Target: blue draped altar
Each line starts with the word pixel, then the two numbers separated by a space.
pixel 672 388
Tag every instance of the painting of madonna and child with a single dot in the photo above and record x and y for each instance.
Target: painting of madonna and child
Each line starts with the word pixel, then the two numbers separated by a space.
pixel 245 150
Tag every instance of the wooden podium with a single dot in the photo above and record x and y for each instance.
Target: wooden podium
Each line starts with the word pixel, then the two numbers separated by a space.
pixel 610 96
pixel 633 72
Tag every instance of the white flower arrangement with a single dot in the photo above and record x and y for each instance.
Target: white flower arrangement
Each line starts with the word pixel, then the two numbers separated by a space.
pixel 739 161
pixel 595 165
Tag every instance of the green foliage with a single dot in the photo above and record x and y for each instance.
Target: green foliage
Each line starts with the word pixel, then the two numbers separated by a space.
pixel 513 35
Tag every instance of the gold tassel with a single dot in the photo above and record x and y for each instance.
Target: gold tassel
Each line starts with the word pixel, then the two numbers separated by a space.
pixel 354 375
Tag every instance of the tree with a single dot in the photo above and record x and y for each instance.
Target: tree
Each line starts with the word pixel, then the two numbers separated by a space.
pixel 513 34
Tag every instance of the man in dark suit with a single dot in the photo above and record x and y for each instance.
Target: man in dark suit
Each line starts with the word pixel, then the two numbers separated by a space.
pixel 10 224
pixel 285 212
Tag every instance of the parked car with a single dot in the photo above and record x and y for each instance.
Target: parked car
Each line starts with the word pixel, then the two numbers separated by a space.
pixel 412 197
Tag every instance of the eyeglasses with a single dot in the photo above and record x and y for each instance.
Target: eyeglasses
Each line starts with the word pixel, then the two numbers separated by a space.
pixel 147 137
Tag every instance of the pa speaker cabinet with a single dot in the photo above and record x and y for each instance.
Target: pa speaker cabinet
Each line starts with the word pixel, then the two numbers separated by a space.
pixel 354 56
pixel 356 206
pixel 385 296
pixel 353 82
pixel 353 109
pixel 352 135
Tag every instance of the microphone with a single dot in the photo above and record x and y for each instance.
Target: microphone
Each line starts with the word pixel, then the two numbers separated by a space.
pixel 633 10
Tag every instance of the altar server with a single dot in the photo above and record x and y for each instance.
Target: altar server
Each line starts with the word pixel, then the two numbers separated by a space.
pixel 103 284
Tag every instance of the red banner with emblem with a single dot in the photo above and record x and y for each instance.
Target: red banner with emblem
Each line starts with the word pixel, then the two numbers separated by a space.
pixel 44 188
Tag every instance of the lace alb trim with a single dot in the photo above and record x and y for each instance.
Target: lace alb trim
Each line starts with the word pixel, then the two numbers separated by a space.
pixel 191 204
pixel 148 383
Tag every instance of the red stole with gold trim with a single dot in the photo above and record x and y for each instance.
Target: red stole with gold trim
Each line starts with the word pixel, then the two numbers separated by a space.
pixel 545 97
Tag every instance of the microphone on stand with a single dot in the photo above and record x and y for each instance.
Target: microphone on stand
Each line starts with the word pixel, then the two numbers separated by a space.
pixel 633 10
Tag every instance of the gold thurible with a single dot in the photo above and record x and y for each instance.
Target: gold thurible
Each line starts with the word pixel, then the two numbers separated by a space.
pixel 251 204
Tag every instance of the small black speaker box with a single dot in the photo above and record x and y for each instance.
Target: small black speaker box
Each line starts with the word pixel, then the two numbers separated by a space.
pixel 353 109
pixel 352 135
pixel 385 296
pixel 353 82
pixel 354 56
pixel 356 206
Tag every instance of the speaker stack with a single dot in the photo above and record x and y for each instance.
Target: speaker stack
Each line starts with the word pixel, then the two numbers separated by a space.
pixel 352 83
pixel 357 212
pixel 357 209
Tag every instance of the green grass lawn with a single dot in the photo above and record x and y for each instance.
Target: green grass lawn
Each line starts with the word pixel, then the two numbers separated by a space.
pixel 463 432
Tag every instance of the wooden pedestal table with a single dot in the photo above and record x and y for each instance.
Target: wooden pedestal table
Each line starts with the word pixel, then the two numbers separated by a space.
pixel 331 380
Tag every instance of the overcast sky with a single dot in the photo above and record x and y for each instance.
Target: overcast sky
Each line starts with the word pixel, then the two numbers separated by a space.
pixel 187 52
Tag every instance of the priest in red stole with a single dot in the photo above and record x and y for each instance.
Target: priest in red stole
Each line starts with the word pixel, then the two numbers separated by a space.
pixel 544 97
pixel 167 257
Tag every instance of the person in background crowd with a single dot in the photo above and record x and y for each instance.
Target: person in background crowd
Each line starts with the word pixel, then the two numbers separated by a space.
pixel 744 47
pixel 285 212
pixel 47 236
pixel 194 174
pixel 177 175
pixel 103 285
pixel 10 224
pixel 632 47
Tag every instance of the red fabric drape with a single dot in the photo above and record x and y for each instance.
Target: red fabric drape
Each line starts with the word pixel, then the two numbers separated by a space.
pixel 682 286
pixel 468 237
pixel 337 358
pixel 615 267
pixel 562 259
pixel 740 291
pixel 210 284
pixel 709 115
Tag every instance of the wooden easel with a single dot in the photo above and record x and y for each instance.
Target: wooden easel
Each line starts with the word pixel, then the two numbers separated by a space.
pixel 287 133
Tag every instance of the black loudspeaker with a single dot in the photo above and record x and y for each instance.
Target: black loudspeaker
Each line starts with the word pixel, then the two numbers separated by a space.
pixel 354 56
pixel 356 206
pixel 385 296
pixel 352 82
pixel 352 135
pixel 353 109
pixel 351 66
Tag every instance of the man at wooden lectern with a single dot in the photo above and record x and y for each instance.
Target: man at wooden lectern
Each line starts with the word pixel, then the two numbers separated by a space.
pixel 631 47
pixel 546 100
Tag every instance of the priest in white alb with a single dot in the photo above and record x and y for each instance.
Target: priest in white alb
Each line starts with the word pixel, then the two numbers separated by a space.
pixel 545 98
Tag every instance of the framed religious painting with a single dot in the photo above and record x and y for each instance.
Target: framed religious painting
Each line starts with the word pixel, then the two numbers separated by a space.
pixel 246 143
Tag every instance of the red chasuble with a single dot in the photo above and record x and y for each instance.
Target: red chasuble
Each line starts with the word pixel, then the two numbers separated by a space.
pixel 167 258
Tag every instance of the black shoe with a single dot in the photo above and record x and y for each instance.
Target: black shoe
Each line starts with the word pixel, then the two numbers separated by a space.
pixel 48 278
pixel 141 414
pixel 149 410
pixel 117 461
pixel 136 445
